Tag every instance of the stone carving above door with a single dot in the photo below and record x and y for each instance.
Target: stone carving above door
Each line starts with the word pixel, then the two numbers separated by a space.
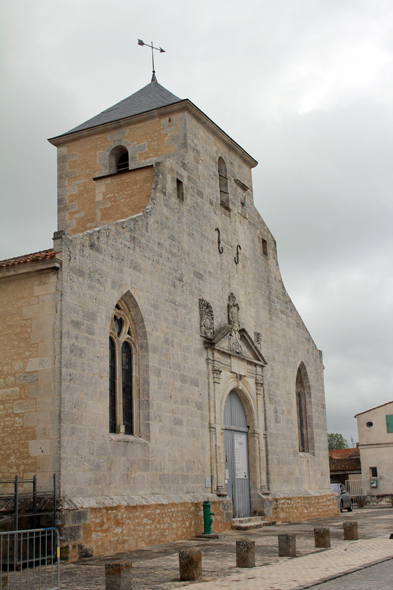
pixel 233 320
pixel 231 339
pixel 206 319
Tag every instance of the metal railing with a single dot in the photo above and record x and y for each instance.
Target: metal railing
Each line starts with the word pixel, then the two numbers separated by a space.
pixel 30 560
pixel 27 503
pixel 354 487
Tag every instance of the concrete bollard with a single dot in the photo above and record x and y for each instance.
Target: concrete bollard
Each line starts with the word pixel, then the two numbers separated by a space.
pixel 322 537
pixel 287 545
pixel 350 530
pixel 190 564
pixel 245 553
pixel 118 576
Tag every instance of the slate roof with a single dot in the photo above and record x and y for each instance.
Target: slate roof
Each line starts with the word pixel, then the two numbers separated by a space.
pixel 344 460
pixel 151 97
pixel 35 256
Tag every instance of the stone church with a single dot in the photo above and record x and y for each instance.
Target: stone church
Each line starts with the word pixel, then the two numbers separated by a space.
pixel 153 358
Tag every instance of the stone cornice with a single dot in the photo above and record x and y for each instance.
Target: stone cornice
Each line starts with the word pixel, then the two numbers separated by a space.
pixel 183 105
pixel 29 267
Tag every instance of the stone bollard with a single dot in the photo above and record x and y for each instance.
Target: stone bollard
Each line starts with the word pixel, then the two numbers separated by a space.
pixel 118 576
pixel 190 563
pixel 322 537
pixel 3 582
pixel 245 553
pixel 287 545
pixel 351 530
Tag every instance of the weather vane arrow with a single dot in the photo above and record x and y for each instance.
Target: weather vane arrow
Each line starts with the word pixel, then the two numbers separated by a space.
pixel 160 49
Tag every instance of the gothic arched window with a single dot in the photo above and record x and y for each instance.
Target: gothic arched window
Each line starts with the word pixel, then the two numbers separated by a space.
pixel 122 371
pixel 301 405
pixel 223 183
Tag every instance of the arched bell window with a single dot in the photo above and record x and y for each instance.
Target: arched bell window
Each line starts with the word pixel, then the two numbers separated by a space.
pixel 123 355
pixel 118 159
pixel 223 183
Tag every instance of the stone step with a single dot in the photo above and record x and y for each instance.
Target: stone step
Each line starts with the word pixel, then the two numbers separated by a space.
pixel 250 522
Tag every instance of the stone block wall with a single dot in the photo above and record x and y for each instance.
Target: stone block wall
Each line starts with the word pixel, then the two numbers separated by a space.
pixel 88 194
pixel 29 409
pixel 135 522
pixel 295 506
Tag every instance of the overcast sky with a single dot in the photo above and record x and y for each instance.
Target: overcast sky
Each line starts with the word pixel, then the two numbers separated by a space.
pixel 305 86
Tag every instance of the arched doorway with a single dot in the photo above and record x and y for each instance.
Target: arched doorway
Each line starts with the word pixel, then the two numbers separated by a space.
pixel 237 476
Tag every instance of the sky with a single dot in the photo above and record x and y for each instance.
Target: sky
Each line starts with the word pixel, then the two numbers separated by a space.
pixel 304 86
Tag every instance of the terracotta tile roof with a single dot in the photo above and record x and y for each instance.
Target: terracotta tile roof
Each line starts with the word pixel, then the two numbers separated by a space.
pixel 35 256
pixel 371 409
pixel 344 460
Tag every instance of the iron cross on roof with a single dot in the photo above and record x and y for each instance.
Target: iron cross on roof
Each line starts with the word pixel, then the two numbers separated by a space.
pixel 160 49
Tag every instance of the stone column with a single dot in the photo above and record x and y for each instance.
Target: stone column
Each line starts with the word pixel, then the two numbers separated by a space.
pixel 350 530
pixel 190 564
pixel 287 545
pixel 322 537
pixel 118 576
pixel 245 553
pixel 218 449
pixel 263 457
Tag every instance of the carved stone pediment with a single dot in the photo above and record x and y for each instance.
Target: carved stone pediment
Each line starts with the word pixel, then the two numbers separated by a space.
pixel 244 347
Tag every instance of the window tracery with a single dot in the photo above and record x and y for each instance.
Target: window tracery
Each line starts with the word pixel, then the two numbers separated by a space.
pixel 301 414
pixel 123 385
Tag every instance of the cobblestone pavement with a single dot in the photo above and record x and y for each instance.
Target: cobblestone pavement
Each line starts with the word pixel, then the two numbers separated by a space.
pixel 377 577
pixel 157 567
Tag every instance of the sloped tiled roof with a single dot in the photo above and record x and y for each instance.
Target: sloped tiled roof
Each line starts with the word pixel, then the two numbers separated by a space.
pixel 344 460
pixel 35 256
pixel 153 96
pixel 371 409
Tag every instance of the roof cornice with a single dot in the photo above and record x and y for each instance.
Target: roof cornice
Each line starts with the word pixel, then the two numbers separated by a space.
pixel 30 266
pixel 183 105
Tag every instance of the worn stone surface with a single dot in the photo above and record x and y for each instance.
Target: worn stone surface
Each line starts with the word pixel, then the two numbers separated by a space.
pixel 157 567
pixel 190 565
pixel 245 553
pixel 322 537
pixel 28 403
pixel 287 545
pixel 351 531
pixel 118 576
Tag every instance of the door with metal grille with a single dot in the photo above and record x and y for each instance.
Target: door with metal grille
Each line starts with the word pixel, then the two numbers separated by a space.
pixel 237 478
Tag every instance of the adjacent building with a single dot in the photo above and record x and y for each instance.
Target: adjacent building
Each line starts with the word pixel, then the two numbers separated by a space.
pixel 375 430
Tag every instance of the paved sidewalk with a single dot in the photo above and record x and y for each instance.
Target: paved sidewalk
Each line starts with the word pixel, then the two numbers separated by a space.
pixel 157 567
pixel 303 572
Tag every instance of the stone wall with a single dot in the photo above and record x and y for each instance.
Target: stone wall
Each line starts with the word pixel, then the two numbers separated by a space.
pixel 88 194
pixel 105 528
pixel 297 506
pixel 28 404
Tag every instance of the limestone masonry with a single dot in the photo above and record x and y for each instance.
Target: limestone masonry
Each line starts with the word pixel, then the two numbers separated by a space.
pixel 153 359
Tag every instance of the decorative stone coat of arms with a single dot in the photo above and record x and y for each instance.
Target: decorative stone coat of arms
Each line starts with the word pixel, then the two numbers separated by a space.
pixel 206 319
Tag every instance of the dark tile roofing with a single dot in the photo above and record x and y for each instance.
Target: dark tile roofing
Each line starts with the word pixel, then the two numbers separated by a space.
pixel 344 460
pixel 35 256
pixel 153 96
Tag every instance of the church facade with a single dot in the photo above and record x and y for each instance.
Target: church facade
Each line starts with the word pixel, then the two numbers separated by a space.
pixel 153 358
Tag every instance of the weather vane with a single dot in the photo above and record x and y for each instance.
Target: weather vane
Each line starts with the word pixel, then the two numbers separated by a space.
pixel 160 49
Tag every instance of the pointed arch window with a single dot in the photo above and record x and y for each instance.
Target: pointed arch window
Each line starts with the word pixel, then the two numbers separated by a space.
pixel 123 355
pixel 302 421
pixel 223 183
